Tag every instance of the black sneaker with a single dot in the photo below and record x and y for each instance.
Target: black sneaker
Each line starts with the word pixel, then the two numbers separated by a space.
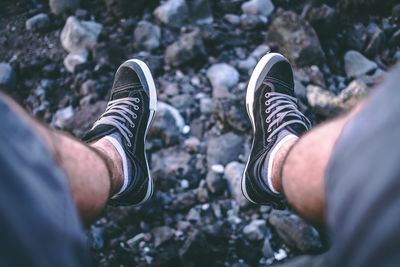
pixel 129 114
pixel 272 108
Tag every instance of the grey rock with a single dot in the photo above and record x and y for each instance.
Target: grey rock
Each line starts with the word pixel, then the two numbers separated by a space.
pixel 305 49
pixel 326 103
pixel 233 174
pixel 184 201
pixel 396 12
pixel 88 87
pixel 162 234
pixel 295 231
pixel 255 230
pixel 260 51
pixel 224 149
pixel 356 37
pixel 61 6
pixel 196 250
pixel 38 22
pixel 85 117
pixel 267 250
pixel 95 237
pixel 172 13
pixel 376 40
pixel 202 192
pixel 258 7
pixel 173 161
pixel 249 22
pixel 373 79
pixel 232 19
pixel 188 48
pixel 205 105
pixel 311 75
pixel 200 11
pixel 7 76
pixel 62 116
pixel 231 110
pixel 247 65
pixel 135 240
pixel 147 36
pixel 194 214
pixel 324 19
pixel 215 182
pixel 222 76
pixel 77 36
pixel 72 60
pixel 300 90
pixel 355 64
pixel 167 125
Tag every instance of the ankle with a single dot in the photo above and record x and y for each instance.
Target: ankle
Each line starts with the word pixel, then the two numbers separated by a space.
pixel 279 162
pixel 113 162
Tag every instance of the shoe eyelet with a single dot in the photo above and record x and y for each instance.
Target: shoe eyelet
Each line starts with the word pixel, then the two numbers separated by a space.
pixel 130 135
pixel 135 107
pixel 137 100
pixel 269 140
pixel 267 110
pixel 269 130
pixel 267 121
pixel 132 125
pixel 129 144
pixel 134 116
pixel 267 95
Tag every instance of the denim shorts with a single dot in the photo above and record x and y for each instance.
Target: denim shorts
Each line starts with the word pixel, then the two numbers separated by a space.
pixel 39 225
pixel 363 183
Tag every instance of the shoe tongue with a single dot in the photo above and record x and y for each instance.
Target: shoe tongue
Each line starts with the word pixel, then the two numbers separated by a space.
pixel 98 132
pixel 120 94
pixel 296 128
pixel 282 89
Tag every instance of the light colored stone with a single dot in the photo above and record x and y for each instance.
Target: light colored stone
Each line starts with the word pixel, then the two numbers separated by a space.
pixel 172 13
pixel 232 19
pixel 74 59
pixel 355 64
pixel 222 76
pixel 147 35
pixel 7 76
pixel 62 116
pixel 37 22
pixel 255 230
pixel 260 51
pixel 233 174
pixel 77 36
pixel 258 7
pixel 330 105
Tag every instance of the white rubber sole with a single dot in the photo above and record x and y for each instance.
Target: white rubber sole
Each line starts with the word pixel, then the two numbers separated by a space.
pixel 261 69
pixel 153 109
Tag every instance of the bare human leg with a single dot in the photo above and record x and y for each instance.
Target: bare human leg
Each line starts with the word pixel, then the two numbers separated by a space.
pixel 300 165
pixel 94 172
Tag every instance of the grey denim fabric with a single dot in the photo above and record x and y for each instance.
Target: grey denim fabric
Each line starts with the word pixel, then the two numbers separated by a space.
pixel 363 183
pixel 39 225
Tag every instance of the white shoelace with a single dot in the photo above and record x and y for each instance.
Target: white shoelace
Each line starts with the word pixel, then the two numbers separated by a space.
pixel 121 107
pixel 284 105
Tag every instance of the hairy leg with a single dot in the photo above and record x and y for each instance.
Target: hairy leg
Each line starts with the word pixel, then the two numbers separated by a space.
pixel 94 172
pixel 300 165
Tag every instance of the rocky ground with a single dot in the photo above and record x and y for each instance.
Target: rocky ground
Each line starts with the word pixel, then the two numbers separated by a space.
pixel 58 59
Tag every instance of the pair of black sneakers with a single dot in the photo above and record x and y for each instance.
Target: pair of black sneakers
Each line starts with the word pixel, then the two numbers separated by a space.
pixel 271 106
